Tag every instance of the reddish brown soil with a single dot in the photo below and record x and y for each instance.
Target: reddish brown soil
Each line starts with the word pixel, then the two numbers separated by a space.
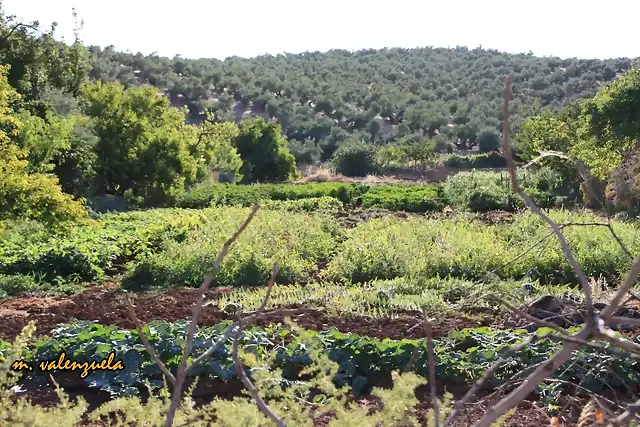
pixel 106 304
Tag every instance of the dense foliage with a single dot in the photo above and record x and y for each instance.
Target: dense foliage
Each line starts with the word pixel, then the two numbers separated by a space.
pixel 175 247
pixel 381 92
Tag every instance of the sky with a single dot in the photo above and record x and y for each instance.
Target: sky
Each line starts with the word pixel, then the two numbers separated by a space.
pixel 218 29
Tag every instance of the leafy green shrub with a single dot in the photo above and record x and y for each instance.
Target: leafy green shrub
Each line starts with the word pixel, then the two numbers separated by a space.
pixel 461 356
pixel 355 158
pixel 296 241
pixel 488 141
pixel 483 191
pixel 409 198
pixel 206 195
pixel 324 203
pixel 476 161
pixel 11 285
pixel 90 249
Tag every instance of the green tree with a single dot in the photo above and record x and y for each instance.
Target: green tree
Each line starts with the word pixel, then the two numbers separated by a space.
pixel 306 152
pixel 488 140
pixel 75 167
pixel 45 139
pixel 264 152
pixel 610 125
pixel 389 154
pixel 213 147
pixel 355 158
pixel 422 152
pixel 38 61
pixel 23 194
pixel 142 150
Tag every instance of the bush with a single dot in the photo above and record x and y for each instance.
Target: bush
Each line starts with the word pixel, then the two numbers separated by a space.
pixel 90 249
pixel 388 248
pixel 483 191
pixel 264 152
pixel 206 195
pixel 296 241
pixel 476 161
pixel 11 285
pixel 409 198
pixel 323 203
pixel 355 158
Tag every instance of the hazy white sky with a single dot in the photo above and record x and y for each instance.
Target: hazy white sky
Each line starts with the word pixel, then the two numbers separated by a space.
pixel 217 28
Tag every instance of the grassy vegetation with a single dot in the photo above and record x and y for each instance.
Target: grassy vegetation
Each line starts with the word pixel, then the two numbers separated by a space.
pixel 391 247
pixel 175 247
pixel 298 242
pixel 388 298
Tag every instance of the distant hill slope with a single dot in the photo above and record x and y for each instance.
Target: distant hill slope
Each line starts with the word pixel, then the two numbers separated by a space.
pixel 383 93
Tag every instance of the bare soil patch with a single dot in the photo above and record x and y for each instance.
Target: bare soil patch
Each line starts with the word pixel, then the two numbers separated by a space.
pixel 106 304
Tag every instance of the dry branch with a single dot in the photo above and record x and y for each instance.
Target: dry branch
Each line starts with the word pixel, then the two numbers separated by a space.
pixel 147 346
pixel 459 405
pixel 262 405
pixel 431 360
pixel 564 354
pixel 622 291
pixel 566 249
pixel 197 309
pixel 527 316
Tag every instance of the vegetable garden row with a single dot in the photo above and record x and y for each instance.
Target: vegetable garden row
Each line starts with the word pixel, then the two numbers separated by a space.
pixel 175 247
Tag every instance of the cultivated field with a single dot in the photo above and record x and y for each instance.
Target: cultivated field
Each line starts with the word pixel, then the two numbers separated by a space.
pixel 357 265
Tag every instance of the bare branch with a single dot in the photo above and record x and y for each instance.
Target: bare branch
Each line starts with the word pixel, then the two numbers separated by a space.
pixel 531 205
pixel 622 290
pixel 485 378
pixel 536 377
pixel 527 316
pixel 625 418
pixel 431 360
pixel 610 336
pixel 264 408
pixel 580 166
pixel 622 321
pixel 197 309
pixel 564 354
pixel 147 346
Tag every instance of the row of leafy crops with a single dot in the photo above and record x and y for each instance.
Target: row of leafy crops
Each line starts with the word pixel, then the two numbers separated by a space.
pixel 461 357
pixel 474 191
pixel 175 247
pixel 87 251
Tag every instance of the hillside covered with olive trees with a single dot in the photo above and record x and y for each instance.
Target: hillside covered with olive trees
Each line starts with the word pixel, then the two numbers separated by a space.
pixel 383 94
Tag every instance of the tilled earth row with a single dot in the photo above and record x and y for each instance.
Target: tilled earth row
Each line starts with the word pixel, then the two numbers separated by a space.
pixel 107 305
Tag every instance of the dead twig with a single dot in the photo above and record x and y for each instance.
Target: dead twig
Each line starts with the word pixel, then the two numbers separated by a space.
pixel 147 346
pixel 459 405
pixel 527 316
pixel 622 290
pixel 262 405
pixel 197 309
pixel 565 353
pixel 431 360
